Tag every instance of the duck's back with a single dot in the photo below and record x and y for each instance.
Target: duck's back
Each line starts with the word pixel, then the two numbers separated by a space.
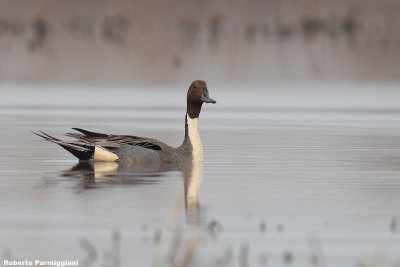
pixel 128 148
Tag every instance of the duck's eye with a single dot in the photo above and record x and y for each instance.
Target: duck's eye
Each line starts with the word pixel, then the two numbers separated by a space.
pixel 194 86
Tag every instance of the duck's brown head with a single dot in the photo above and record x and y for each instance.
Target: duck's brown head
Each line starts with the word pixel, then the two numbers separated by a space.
pixel 196 96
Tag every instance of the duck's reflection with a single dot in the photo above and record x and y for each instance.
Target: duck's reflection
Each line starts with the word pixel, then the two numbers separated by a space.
pixel 192 174
pixel 95 174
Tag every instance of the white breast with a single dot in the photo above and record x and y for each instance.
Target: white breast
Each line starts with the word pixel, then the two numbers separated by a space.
pixel 194 137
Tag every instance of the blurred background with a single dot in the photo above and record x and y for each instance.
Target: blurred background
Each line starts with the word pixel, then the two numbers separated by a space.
pixel 301 164
pixel 123 42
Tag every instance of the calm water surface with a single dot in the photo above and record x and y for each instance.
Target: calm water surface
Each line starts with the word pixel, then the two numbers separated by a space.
pixel 293 176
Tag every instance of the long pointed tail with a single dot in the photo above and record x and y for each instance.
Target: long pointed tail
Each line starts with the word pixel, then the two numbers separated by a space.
pixel 79 150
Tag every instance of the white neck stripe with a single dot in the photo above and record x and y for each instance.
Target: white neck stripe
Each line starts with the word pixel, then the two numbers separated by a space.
pixel 194 138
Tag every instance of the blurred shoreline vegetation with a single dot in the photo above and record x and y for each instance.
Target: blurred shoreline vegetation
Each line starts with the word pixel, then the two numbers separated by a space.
pixel 256 40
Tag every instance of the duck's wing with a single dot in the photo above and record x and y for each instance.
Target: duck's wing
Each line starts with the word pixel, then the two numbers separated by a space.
pixel 112 142
pixel 103 147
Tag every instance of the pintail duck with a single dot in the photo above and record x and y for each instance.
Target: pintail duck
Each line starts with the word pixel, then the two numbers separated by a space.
pixel 128 148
